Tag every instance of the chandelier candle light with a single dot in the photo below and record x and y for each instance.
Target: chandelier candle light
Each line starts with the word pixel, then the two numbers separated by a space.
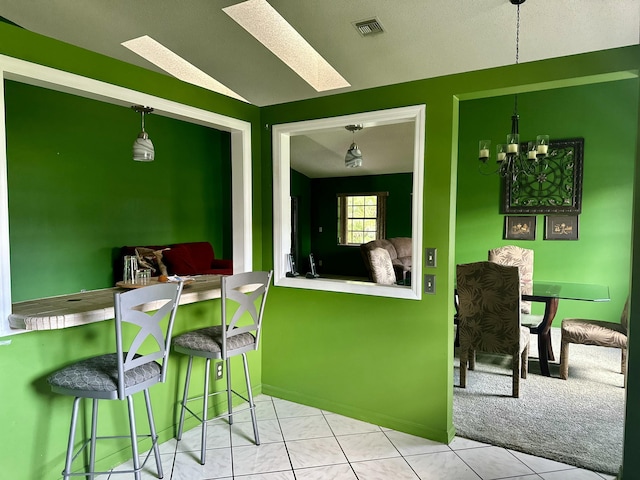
pixel 511 162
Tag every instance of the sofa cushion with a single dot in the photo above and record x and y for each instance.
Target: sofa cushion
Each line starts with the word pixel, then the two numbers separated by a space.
pixel 200 254
pixel 180 262
pixel 402 246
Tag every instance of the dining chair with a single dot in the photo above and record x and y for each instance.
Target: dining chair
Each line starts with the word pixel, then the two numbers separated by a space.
pixel 243 300
pixel 489 317
pixel 600 333
pixel 512 255
pixel 140 315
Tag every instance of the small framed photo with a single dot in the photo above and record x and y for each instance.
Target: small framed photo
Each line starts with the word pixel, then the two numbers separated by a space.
pixel 519 228
pixel 561 227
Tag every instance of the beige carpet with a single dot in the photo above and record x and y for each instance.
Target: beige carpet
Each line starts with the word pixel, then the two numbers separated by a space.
pixel 578 421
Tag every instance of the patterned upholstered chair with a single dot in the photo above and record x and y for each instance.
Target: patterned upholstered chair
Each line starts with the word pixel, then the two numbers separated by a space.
pixel 243 299
pixel 489 317
pixel 117 376
pixel 594 332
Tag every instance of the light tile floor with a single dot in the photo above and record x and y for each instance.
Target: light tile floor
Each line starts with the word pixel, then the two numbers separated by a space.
pixel 304 443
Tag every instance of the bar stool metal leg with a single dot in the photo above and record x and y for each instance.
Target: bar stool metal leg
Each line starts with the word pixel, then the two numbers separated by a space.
pixel 184 398
pixel 229 392
pixel 154 436
pixel 252 405
pixel 205 406
pixel 134 438
pixel 72 436
pixel 94 431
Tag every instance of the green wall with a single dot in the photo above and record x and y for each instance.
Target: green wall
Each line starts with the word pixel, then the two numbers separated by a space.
pixel 602 254
pixel 320 348
pixel 76 196
pixel 347 260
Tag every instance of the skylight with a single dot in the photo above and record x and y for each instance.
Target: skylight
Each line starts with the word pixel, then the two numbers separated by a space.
pixel 175 65
pixel 263 22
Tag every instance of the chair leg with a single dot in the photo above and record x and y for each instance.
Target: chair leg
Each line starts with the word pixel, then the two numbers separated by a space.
pixel 472 359
pixel 515 375
pixel 623 365
pixel 252 405
pixel 72 434
pixel 524 362
pixel 152 430
pixel 134 438
pixel 184 399
pixel 564 360
pixel 94 431
pixel 205 406
pixel 229 392
pixel 463 368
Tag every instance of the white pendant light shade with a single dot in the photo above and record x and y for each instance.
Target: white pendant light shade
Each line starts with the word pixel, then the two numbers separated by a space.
pixel 353 158
pixel 143 150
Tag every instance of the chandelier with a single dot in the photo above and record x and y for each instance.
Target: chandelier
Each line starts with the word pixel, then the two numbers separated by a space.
pixel 511 160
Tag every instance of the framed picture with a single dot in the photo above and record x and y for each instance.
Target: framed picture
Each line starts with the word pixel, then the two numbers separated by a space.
pixel 519 228
pixel 554 186
pixel 561 227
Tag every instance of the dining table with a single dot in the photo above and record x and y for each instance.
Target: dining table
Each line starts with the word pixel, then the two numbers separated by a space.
pixel 550 293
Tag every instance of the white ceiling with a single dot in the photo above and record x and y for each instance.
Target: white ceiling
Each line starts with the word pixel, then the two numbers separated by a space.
pixel 422 39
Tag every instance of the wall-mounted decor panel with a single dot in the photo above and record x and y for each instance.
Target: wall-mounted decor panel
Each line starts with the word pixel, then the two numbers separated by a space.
pixel 554 186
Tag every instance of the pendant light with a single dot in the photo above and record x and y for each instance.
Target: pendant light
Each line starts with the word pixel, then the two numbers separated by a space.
pixel 353 158
pixel 143 150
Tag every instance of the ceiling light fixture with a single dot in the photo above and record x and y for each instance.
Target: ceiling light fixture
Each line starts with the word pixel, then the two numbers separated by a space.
pixel 511 161
pixel 175 65
pixel 353 158
pixel 143 150
pixel 268 27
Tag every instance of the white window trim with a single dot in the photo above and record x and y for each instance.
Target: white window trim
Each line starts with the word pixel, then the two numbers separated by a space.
pixel 343 216
pixel 281 135
pixel 41 76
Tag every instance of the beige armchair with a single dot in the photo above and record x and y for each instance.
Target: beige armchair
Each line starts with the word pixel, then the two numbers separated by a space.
pixel 489 317
pixel 399 250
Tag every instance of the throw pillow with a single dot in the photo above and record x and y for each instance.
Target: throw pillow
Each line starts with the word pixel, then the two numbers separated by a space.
pixel 381 266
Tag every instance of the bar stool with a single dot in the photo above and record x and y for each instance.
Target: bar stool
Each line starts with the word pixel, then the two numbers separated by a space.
pixel 117 376
pixel 243 294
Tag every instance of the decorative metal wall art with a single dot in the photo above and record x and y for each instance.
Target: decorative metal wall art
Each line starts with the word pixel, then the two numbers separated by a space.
pixel 561 227
pixel 519 228
pixel 555 186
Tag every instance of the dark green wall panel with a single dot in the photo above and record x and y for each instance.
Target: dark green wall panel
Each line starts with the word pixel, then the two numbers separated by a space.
pixel 76 196
pixel 347 260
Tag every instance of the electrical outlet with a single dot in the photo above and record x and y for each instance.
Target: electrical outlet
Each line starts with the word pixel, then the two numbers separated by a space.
pixel 219 370
pixel 430 257
pixel 430 284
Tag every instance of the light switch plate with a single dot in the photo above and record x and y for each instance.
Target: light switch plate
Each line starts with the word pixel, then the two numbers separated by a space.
pixel 430 284
pixel 431 257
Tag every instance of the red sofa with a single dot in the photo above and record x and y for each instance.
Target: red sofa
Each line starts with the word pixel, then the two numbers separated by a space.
pixel 190 258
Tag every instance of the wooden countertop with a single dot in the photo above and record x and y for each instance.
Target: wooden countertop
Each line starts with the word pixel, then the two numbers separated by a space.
pixel 95 305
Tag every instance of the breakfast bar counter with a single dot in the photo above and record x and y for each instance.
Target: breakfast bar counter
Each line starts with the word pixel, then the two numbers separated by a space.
pixel 95 305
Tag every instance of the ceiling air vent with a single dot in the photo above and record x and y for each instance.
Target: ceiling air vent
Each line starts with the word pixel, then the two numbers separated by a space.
pixel 369 27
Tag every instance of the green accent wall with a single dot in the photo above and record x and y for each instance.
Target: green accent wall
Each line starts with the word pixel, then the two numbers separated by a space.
pixel 386 361
pixel 76 196
pixel 347 260
pixel 602 254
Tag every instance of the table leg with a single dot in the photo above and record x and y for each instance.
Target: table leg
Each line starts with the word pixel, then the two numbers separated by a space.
pixel 545 351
